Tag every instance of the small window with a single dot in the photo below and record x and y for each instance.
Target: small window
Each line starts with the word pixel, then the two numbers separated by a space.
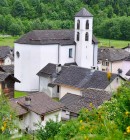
pixel 77 36
pixel 107 63
pixel 86 37
pixel 58 89
pixel 87 24
pixel 78 24
pixel 103 69
pixel 42 118
pixel 17 54
pixel 70 53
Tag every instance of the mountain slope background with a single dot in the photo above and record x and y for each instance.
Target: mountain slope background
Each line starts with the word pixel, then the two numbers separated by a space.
pixel 111 17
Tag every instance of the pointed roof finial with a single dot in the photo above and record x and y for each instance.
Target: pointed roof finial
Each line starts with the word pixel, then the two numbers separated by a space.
pixel 83 13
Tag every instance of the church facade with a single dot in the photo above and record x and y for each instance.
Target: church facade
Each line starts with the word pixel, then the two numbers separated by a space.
pixel 36 49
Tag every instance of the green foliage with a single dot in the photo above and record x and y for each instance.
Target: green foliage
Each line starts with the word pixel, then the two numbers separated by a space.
pixel 49 131
pixel 111 121
pixel 18 8
pixel 7 117
pixel 111 17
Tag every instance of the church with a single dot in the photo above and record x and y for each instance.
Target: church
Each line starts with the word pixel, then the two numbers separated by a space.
pixel 37 48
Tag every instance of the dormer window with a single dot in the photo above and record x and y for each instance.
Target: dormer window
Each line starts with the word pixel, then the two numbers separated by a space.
pixel 86 37
pixel 78 36
pixel 78 24
pixel 87 24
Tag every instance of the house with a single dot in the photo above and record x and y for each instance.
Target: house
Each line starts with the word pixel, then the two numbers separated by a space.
pixel 127 48
pixel 36 49
pixel 111 59
pixel 7 81
pixel 6 55
pixel 7 69
pixel 46 76
pixel 74 103
pixel 75 79
pixel 34 109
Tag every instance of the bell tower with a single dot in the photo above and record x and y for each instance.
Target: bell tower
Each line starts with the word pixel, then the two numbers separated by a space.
pixel 83 39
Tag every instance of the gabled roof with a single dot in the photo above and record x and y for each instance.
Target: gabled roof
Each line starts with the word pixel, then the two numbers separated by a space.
pixel 50 70
pixel 7 68
pixel 74 103
pixel 44 37
pixel 40 103
pixel 128 73
pixel 83 78
pixel 4 51
pixel 127 58
pixel 112 54
pixel 17 108
pixel 83 13
pixel 4 76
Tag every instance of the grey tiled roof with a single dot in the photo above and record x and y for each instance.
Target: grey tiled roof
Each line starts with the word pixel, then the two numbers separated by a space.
pixel 83 13
pixel 40 103
pixel 4 75
pixel 43 37
pixel 74 103
pixel 128 58
pixel 49 70
pixel 4 51
pixel 83 78
pixel 128 73
pixel 16 107
pixel 112 54
pixel 7 68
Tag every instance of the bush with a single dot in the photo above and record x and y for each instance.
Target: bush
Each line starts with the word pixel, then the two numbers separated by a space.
pixel 49 131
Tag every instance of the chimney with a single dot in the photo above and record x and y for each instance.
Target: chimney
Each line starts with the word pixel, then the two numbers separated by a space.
pixel 11 51
pixel 58 68
pixel 93 68
pixel 27 101
pixel 119 71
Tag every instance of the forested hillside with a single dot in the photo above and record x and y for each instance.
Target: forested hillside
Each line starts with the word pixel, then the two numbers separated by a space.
pixel 111 17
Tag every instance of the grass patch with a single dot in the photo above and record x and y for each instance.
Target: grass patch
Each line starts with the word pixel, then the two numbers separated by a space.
pixel 56 99
pixel 8 41
pixel 110 42
pixel 19 94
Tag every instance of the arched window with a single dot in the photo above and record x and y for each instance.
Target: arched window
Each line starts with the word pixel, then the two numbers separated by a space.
pixel 78 36
pixel 78 24
pixel 87 24
pixel 86 37
pixel 17 54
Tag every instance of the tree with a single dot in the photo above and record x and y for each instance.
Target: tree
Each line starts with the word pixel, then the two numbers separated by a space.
pixel 7 118
pixel 49 131
pixel 18 9
pixel 15 29
pixel 36 24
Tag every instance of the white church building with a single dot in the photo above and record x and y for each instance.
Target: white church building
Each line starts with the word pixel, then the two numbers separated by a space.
pixel 36 49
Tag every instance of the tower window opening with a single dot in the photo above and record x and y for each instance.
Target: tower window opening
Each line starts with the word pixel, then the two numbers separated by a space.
pixel 87 24
pixel 78 36
pixel 86 37
pixel 78 24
